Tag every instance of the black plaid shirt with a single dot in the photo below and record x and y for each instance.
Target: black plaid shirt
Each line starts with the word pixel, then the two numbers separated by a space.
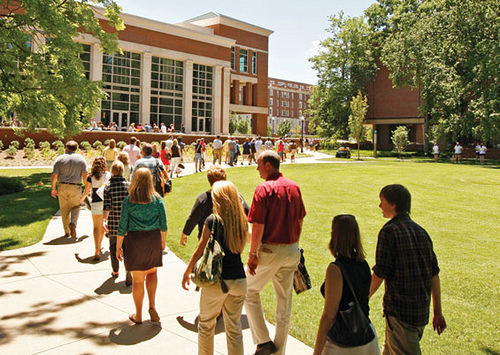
pixel 115 191
pixel 406 261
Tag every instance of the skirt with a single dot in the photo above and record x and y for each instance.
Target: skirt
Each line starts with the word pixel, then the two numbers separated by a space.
pixel 142 250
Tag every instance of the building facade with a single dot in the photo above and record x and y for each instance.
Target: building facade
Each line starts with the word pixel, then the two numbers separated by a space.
pixel 288 100
pixel 193 73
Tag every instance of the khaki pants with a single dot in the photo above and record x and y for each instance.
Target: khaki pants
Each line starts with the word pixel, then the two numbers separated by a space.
pixel 69 204
pixel 212 302
pixel 218 155
pixel 401 338
pixel 276 263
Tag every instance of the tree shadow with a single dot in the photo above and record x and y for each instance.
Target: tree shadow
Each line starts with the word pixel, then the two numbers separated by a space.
pixel 66 240
pixel 134 334
pixel 219 328
pixel 8 262
pixel 110 285
pixel 9 243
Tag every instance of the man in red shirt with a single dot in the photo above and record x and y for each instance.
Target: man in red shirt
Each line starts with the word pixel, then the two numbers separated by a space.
pixel 277 213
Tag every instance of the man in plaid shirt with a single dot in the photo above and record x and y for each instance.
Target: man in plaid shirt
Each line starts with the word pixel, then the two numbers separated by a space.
pixel 405 259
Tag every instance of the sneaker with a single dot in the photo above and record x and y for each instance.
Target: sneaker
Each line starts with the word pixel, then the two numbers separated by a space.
pixel 266 348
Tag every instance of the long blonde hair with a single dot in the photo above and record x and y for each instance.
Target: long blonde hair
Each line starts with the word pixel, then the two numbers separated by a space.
pixel 228 207
pixel 141 187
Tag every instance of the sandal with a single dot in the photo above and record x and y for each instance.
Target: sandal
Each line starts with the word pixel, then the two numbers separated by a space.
pixel 132 319
pixel 154 315
pixel 115 274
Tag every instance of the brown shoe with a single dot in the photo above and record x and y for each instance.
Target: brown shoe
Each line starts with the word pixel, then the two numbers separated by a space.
pixel 266 348
pixel 72 228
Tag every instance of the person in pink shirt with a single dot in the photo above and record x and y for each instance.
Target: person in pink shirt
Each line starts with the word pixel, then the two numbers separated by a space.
pixel 133 151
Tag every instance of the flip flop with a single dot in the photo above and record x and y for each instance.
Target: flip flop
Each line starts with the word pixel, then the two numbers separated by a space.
pixel 154 315
pixel 131 317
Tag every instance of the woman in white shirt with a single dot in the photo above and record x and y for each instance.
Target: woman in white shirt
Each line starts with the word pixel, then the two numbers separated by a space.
pixel 482 153
pixel 435 151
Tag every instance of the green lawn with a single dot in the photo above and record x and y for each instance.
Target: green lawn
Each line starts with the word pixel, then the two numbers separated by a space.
pixel 458 205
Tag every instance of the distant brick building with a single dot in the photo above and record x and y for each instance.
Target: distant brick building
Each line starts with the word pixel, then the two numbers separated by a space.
pixel 389 107
pixel 288 101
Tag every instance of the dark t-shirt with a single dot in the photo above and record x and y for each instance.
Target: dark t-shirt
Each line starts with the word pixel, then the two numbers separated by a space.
pixel 232 267
pixel 246 148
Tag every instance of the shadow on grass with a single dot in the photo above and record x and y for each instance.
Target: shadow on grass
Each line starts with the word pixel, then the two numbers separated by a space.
pixel 34 202
pixel 490 351
pixel 8 243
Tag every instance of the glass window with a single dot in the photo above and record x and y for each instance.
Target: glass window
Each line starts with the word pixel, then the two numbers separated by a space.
pixel 233 58
pixel 270 92
pixel 202 101
pixel 271 101
pixel 254 62
pixel 244 60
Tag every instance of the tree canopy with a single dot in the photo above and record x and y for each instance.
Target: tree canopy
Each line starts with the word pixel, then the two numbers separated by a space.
pixel 42 78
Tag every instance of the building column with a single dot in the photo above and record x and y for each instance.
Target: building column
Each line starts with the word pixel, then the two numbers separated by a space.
pixel 96 70
pixel 235 92
pixel 217 100
pixel 146 88
pixel 255 92
pixel 247 94
pixel 188 95
pixel 226 100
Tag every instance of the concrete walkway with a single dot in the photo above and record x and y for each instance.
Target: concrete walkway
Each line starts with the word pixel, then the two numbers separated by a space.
pixel 54 299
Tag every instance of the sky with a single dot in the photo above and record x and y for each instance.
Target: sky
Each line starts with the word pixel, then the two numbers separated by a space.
pixel 298 25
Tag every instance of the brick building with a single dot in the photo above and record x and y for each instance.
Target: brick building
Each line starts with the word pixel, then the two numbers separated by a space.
pixel 288 101
pixel 192 73
pixel 389 107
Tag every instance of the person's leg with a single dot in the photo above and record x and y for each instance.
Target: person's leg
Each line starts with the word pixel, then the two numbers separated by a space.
pixel 151 286
pixel 138 293
pixel 283 287
pixel 481 159
pixel 64 206
pixel 232 315
pixel 211 300
pixel 98 234
pixel 115 265
pixel 75 194
pixel 401 338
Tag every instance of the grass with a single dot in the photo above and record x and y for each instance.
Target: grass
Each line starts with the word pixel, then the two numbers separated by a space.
pixel 24 216
pixel 458 205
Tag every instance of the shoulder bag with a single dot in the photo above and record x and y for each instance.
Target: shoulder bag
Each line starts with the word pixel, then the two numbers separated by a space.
pixel 162 185
pixel 208 270
pixel 301 279
pixel 352 328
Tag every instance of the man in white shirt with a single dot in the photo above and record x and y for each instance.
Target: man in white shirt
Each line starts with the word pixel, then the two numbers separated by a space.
pixel 258 146
pixel 217 149
pixel 169 142
pixel 133 151
pixel 458 153
pixel 163 128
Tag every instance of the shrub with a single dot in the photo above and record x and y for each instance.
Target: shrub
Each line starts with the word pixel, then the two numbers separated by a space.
pixel 14 144
pixel 11 151
pixel 1 145
pixel 106 142
pixel 400 139
pixel 10 185
pixel 121 144
pixel 330 144
pixel 29 143
pixel 86 146
pixel 45 147
pixel 97 144
pixel 59 146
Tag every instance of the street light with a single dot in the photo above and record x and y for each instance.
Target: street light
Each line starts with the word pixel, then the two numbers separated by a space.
pixel 302 133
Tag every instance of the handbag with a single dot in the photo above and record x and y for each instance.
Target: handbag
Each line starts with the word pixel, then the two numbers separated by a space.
pixel 301 279
pixel 352 328
pixel 208 269
pixel 162 185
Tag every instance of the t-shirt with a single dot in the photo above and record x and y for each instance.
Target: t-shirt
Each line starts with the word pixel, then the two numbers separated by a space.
pixel 482 150
pixel 232 267
pixel 217 144
pixel 69 168
pixel 435 149
pixel 97 183
pixel 458 149
pixel 110 154
pixel 133 153
pixel 258 144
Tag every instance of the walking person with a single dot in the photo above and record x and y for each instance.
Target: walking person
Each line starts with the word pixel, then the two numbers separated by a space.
pixel 133 151
pixel 176 158
pixel 197 155
pixel 482 153
pixel 277 213
pixel 406 261
pixel 127 168
pixel 230 227
pixel 232 151
pixel 347 249
pixel 115 191
pixel 435 152
pixel 68 172
pixel 165 156
pixel 110 153
pixel 141 239
pixel 217 150
pixel 99 175
pixel 457 150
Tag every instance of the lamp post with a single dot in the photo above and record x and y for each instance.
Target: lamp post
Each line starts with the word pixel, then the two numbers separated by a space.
pixel 302 133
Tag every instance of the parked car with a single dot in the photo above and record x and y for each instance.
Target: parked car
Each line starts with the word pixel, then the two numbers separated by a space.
pixel 344 151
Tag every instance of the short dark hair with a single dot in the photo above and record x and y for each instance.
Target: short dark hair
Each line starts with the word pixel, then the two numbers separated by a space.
pixel 147 149
pixel 72 146
pixel 132 140
pixel 399 196
pixel 271 157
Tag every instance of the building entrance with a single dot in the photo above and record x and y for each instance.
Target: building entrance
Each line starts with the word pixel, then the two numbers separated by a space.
pixel 121 118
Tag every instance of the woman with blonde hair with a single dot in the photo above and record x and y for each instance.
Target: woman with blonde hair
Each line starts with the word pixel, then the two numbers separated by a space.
pixel 230 228
pixel 110 153
pixel 175 151
pixel 127 168
pixel 97 178
pixel 345 245
pixel 142 230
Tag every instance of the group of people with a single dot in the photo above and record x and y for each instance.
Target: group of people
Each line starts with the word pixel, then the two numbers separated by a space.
pixel 480 152
pixel 134 219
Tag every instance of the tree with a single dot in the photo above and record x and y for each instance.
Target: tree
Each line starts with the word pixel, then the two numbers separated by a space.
pixel 284 128
pixel 451 52
pixel 243 126
pixel 359 107
pixel 42 79
pixel 233 124
pixel 400 139
pixel 344 65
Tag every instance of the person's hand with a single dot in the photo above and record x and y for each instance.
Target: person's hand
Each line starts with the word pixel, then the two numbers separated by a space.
pixel 163 244
pixel 184 239
pixel 438 323
pixel 185 279
pixel 105 226
pixel 119 254
pixel 53 193
pixel 252 262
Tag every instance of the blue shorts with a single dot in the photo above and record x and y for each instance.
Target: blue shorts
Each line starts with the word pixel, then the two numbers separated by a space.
pixel 197 157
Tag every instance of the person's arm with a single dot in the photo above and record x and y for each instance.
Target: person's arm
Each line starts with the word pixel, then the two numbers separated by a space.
pixel 192 221
pixel 105 215
pixel 205 235
pixel 119 249
pixel 333 294
pixel 375 284
pixel 438 321
pixel 53 181
pixel 253 259
pixel 84 176
pixel 163 239
pixel 88 186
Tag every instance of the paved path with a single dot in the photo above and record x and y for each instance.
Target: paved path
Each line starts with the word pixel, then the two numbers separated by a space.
pixel 54 299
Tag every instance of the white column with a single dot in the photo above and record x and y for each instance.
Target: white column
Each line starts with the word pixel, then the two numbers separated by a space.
pixel 226 100
pixel 217 100
pixel 96 70
pixel 145 87
pixel 188 95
